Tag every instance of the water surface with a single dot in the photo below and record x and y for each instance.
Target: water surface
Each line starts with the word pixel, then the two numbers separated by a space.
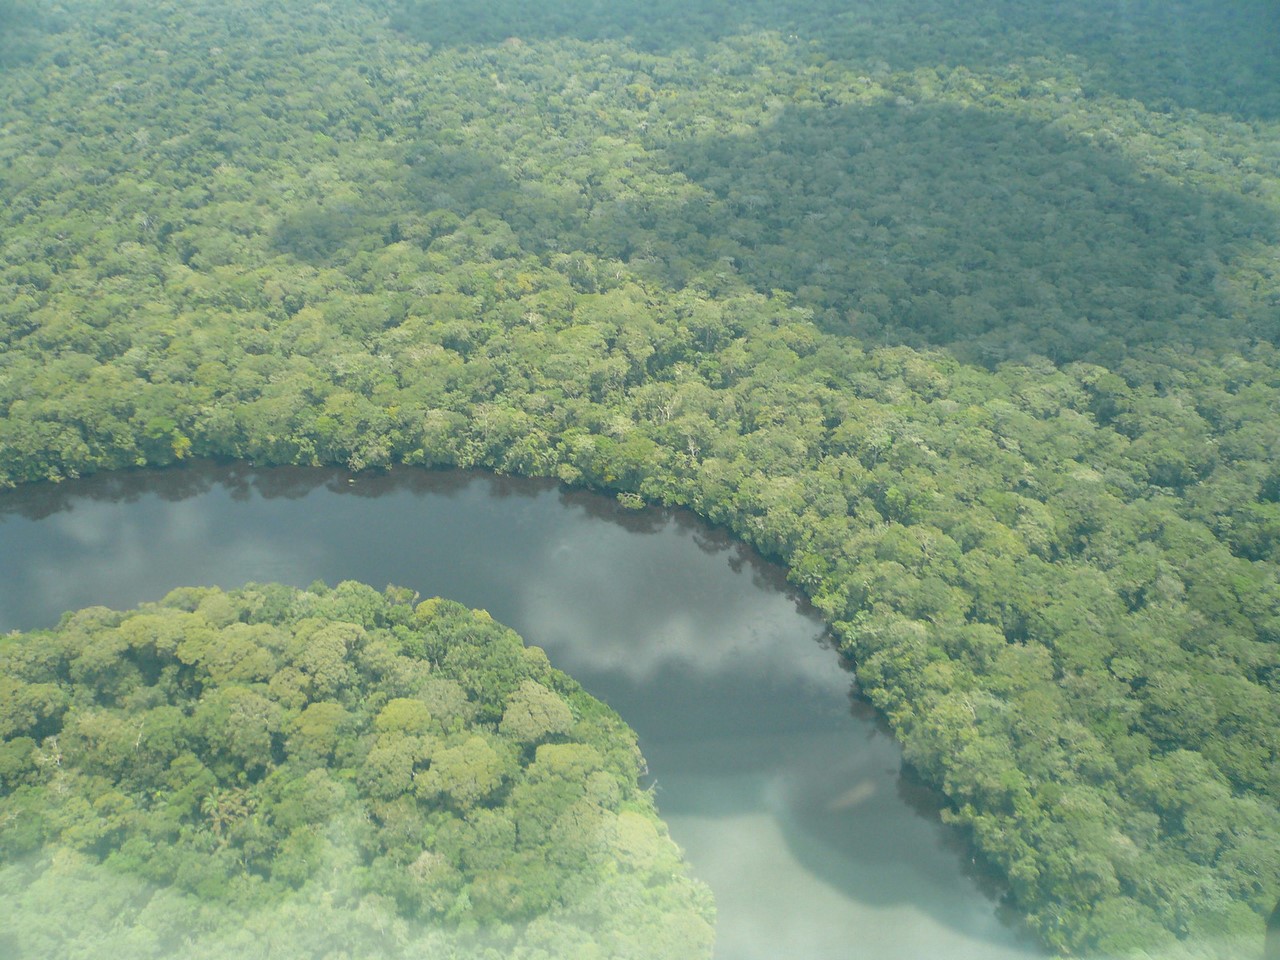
pixel 786 793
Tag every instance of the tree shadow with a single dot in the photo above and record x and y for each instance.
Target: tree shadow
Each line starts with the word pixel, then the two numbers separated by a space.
pixel 1222 57
pixel 22 30
pixel 653 26
pixel 324 233
pixel 1209 56
pixel 994 236
pixel 930 225
pixel 440 185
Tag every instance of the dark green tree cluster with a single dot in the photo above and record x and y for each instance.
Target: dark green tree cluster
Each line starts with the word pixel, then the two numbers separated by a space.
pixel 973 328
pixel 21 26
pixel 227 762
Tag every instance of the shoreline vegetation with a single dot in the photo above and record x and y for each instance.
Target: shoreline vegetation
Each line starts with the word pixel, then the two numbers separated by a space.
pixel 976 332
pixel 329 772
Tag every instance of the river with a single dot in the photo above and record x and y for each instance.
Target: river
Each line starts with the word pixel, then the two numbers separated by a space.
pixel 787 794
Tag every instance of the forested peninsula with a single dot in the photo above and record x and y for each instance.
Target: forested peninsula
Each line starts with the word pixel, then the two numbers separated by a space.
pixel 272 772
pixel 967 312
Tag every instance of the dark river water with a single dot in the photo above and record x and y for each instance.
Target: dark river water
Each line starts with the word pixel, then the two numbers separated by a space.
pixel 787 795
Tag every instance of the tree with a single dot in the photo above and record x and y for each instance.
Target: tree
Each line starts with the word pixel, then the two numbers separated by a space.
pixel 464 774
pixel 535 713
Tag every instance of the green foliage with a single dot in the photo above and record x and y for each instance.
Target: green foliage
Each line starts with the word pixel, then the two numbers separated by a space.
pixel 534 712
pixel 169 781
pixel 967 312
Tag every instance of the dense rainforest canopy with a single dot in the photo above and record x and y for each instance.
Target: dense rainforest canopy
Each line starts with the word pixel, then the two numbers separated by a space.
pixel 323 773
pixel 968 312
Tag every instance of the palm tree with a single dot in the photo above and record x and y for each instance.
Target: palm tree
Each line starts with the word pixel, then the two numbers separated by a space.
pixel 225 808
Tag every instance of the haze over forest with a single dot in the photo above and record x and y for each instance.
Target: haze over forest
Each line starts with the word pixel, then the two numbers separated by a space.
pixel 966 312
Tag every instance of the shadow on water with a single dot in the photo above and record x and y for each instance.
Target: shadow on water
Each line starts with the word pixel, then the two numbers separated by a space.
pixel 817 826
pixel 711 540
pixel 865 858
pixel 1206 55
pixel 929 802
pixel 647 520
pixel 37 501
pixel 243 481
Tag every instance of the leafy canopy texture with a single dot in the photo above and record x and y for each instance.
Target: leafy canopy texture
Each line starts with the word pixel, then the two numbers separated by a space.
pixel 281 773
pixel 966 310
